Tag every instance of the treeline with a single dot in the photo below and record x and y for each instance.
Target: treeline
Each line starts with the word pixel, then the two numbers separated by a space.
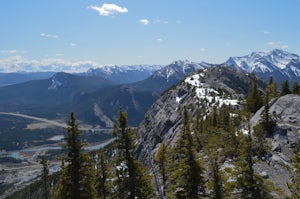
pixel 213 157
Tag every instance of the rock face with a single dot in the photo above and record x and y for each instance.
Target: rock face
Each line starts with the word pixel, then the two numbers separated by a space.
pixel 200 91
pixel 283 140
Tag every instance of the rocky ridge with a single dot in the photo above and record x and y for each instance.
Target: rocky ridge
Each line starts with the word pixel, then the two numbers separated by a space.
pixel 211 87
pixel 200 91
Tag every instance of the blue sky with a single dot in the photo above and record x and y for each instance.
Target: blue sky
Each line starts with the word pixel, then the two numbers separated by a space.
pixel 144 31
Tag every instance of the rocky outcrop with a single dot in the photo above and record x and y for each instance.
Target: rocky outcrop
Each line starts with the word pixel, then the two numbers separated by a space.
pixel 278 165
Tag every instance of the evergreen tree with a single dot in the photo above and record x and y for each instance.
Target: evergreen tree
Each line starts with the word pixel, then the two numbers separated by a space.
pixel 296 88
pixel 217 181
pixel 161 158
pixel 294 185
pixel 272 88
pixel 250 186
pixel 45 178
pixel 102 174
pixel 268 122
pixel 254 99
pixel 133 180
pixel 186 180
pixel 285 88
pixel 77 178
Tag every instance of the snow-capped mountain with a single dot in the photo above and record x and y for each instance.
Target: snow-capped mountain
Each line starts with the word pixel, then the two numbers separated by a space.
pixel 124 74
pixel 279 64
pixel 169 75
pixel 179 69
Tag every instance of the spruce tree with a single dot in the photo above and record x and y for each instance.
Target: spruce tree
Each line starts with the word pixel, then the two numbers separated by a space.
pixel 161 159
pixel 285 88
pixel 102 175
pixel 132 178
pixel 268 122
pixel 249 184
pixel 254 99
pixel 272 88
pixel 45 178
pixel 186 180
pixel 77 177
pixel 296 88
pixel 217 181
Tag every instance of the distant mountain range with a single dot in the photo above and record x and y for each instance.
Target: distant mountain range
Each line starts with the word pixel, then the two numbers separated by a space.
pixel 97 94
pixel 124 74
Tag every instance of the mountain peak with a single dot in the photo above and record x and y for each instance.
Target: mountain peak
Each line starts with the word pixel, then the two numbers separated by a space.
pixel 276 63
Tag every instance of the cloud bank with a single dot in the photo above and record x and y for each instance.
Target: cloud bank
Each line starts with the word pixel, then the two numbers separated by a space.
pixel 21 64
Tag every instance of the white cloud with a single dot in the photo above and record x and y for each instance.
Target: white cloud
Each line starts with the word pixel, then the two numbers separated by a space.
pixel 179 21
pixel 53 36
pixel 13 52
pixel 202 49
pixel 59 54
pixel 277 44
pixel 159 40
pixel 109 9
pixel 73 44
pixel 158 21
pixel 144 21
pixel 266 32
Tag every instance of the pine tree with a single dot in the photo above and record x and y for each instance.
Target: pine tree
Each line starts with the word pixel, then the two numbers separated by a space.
pixel 296 88
pixel 45 178
pixel 294 185
pixel 133 179
pixel 272 88
pixel 254 99
pixel 161 158
pixel 77 178
pixel 217 181
pixel 186 180
pixel 267 121
pixel 102 174
pixel 285 88
pixel 250 186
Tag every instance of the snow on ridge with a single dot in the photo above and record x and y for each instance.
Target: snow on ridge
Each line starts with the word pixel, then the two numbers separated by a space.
pixel 205 92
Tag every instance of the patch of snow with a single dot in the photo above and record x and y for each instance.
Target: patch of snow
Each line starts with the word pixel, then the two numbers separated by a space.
pixel 178 99
pixel 244 131
pixel 232 102
pixel 233 115
pixel 55 85
pixel 194 80
pixel 122 167
pixel 56 138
